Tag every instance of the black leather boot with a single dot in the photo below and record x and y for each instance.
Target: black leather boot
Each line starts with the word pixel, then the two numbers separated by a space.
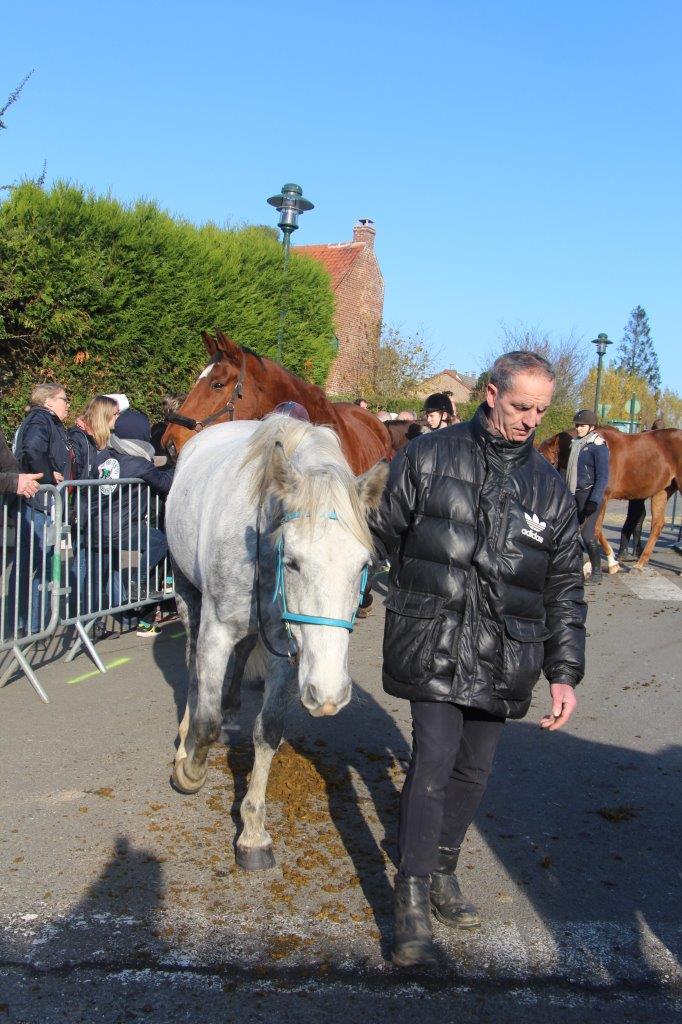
pixel 412 933
pixel 624 549
pixel 595 560
pixel 447 902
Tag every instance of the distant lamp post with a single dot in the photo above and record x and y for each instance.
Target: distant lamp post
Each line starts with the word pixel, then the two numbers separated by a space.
pixel 601 341
pixel 289 204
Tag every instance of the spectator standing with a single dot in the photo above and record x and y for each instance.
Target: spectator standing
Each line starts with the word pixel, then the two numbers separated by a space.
pixel 12 480
pixel 438 409
pixel 41 447
pixel 121 515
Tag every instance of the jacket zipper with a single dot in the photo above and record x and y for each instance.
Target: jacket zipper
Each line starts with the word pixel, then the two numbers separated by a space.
pixel 502 521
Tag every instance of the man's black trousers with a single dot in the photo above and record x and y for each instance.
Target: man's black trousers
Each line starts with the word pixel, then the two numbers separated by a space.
pixel 452 756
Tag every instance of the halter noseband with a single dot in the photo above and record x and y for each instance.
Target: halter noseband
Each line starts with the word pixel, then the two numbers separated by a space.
pixel 198 425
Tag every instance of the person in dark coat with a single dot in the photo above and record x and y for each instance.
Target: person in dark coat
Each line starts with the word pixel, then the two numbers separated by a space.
pixel 119 521
pixel 12 480
pixel 587 477
pixel 41 447
pixel 485 592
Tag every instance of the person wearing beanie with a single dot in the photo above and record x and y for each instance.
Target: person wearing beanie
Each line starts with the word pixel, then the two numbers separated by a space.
pixel 122 520
pixel 587 475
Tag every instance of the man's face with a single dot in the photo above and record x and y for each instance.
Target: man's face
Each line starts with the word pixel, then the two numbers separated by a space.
pixel 517 412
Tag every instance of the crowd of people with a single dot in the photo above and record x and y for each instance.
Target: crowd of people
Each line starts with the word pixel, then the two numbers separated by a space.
pixel 108 441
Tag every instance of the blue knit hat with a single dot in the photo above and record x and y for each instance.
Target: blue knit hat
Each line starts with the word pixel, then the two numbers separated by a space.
pixel 132 425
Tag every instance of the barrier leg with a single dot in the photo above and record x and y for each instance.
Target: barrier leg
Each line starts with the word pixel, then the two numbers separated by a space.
pixel 18 655
pixel 83 640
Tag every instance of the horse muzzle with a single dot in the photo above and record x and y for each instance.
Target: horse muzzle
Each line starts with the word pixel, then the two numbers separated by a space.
pixel 320 707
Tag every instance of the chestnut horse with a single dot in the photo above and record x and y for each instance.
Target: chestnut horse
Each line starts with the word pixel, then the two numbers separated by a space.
pixel 647 465
pixel 237 384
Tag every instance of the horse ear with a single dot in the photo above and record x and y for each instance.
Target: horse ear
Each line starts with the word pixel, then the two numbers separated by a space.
pixel 285 479
pixel 226 345
pixel 210 343
pixel 370 486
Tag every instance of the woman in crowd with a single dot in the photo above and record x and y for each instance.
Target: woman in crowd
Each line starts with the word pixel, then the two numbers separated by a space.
pixel 587 475
pixel 41 447
pixel 88 437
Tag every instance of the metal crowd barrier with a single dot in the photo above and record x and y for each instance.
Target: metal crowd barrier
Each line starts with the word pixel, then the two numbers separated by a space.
pixel 74 555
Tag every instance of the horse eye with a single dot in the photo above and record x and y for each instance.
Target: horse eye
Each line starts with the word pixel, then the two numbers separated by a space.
pixel 292 564
pixel 217 385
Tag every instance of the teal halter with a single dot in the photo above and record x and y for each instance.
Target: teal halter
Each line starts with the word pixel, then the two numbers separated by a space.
pixel 279 594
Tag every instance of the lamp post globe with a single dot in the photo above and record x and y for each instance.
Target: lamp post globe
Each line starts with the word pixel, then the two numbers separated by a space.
pixel 601 341
pixel 290 204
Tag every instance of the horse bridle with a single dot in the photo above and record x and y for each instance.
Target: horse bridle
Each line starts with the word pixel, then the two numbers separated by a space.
pixel 198 425
pixel 279 595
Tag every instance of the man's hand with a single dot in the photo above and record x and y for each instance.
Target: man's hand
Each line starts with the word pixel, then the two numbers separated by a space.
pixel 27 484
pixel 58 477
pixel 563 706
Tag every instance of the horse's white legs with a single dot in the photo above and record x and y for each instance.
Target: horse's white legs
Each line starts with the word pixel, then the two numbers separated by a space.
pixel 213 648
pixel 658 503
pixel 188 600
pixel 254 846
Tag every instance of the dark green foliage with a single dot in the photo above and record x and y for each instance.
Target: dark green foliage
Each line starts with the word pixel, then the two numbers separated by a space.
pixel 636 353
pixel 106 298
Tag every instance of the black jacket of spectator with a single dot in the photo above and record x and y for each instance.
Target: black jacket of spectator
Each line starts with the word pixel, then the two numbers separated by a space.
pixel 84 454
pixel 486 584
pixel 42 446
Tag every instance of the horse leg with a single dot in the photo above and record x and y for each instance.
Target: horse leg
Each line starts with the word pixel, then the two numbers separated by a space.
pixel 232 687
pixel 254 847
pixel 633 523
pixel 188 600
pixel 213 648
pixel 658 503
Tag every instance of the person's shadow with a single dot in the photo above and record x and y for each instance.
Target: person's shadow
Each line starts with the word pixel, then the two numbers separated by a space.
pixel 113 923
pixel 590 832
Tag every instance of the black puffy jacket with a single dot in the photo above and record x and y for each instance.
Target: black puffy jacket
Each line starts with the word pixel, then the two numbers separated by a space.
pixel 486 584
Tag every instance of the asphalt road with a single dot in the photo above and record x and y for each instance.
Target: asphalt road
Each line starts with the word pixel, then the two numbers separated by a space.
pixel 121 901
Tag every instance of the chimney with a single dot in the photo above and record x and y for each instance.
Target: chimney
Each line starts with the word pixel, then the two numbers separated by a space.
pixel 364 231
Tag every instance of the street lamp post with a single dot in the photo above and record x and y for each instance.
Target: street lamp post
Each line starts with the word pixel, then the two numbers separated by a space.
pixel 289 204
pixel 601 341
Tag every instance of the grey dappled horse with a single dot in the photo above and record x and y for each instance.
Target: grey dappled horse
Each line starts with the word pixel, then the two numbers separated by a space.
pixel 311 535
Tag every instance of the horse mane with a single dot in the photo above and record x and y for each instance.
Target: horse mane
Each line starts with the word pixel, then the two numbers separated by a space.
pixel 325 482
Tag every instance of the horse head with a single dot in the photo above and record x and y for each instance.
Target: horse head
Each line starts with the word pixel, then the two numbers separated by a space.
pixel 556 449
pixel 323 550
pixel 217 396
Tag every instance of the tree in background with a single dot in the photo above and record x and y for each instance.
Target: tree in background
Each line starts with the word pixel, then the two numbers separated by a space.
pixel 104 297
pixel 670 408
pixel 402 363
pixel 636 353
pixel 617 389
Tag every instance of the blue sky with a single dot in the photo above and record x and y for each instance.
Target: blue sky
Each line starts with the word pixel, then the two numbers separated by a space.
pixel 521 160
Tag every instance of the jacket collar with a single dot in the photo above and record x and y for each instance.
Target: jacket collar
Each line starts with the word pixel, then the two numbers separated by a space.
pixel 496 448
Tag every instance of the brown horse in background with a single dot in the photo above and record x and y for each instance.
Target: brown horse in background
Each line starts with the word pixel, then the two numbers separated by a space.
pixel 647 465
pixel 237 384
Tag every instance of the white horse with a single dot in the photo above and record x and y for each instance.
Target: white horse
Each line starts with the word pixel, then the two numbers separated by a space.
pixel 254 508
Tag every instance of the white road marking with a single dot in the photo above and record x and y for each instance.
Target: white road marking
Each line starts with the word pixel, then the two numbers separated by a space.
pixel 651 586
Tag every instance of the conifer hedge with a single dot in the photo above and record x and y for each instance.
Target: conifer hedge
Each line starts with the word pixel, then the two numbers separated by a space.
pixel 104 297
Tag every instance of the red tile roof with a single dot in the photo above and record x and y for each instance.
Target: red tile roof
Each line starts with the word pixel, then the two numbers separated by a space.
pixel 338 259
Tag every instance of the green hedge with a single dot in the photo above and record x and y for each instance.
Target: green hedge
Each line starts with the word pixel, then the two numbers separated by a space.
pixel 104 297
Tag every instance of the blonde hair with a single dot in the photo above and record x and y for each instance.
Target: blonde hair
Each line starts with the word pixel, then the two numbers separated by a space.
pixel 96 416
pixel 43 392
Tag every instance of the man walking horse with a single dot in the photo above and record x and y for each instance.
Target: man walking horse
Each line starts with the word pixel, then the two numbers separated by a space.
pixel 485 592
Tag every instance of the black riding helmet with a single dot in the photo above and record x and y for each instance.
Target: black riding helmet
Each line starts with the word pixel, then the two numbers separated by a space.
pixel 439 402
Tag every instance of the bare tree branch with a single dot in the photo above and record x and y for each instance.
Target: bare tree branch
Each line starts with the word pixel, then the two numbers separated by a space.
pixel 14 96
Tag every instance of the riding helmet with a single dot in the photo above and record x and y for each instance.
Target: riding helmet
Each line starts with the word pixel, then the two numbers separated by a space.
pixel 439 402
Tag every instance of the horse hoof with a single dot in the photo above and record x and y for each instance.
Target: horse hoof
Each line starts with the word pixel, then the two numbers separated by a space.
pixel 614 568
pixel 254 858
pixel 182 781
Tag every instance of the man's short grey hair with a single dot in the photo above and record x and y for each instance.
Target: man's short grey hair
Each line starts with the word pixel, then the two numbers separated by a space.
pixel 509 364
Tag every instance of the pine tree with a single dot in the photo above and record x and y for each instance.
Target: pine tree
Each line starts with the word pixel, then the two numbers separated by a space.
pixel 636 352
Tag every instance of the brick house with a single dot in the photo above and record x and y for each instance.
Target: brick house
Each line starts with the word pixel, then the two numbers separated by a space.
pixel 358 288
